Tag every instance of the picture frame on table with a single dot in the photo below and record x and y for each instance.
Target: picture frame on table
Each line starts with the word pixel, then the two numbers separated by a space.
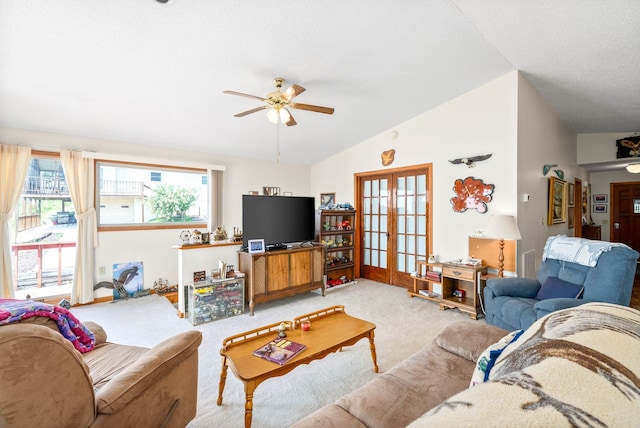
pixel 327 199
pixel 255 246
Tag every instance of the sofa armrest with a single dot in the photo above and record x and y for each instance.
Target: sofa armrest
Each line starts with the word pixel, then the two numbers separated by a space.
pixel 99 334
pixel 515 287
pixel 467 339
pixel 153 368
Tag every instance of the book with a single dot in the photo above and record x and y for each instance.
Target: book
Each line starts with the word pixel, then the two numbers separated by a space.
pixel 428 293
pixel 279 351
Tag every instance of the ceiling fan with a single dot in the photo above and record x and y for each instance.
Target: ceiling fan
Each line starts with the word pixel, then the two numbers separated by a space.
pixel 278 103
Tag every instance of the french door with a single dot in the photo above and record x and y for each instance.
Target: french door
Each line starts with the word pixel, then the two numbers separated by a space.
pixel 394 210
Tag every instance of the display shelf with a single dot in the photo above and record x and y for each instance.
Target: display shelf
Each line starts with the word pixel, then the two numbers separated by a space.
pixel 335 230
pixel 214 299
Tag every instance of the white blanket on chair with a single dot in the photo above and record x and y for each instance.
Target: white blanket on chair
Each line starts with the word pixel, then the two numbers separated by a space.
pixel 576 250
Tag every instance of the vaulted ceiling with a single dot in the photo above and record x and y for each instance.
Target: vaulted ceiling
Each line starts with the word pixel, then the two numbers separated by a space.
pixel 148 72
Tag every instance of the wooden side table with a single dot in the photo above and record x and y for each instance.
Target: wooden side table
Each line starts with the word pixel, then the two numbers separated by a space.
pixel 461 288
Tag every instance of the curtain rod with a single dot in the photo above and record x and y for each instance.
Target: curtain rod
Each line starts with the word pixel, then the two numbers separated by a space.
pixel 137 159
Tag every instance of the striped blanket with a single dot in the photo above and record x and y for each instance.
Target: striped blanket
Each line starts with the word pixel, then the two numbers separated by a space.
pixel 13 310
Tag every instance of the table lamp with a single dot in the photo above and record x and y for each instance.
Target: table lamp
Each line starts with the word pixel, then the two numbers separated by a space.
pixel 502 227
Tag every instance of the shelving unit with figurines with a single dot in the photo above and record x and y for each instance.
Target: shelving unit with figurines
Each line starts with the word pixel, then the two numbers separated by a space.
pixel 335 230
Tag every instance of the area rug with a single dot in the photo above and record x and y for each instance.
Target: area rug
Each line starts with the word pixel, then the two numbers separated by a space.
pixel 403 326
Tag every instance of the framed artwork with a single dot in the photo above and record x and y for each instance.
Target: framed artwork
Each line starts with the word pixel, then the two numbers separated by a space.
pixel 471 193
pixel 599 208
pixel 600 198
pixel 327 199
pixel 571 196
pixel 571 217
pixel 557 209
pixel 256 246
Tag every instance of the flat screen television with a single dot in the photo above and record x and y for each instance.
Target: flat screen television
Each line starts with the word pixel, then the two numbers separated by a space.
pixel 278 219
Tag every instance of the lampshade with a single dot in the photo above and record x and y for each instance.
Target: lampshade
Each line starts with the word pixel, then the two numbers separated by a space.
pixel 634 168
pixel 502 227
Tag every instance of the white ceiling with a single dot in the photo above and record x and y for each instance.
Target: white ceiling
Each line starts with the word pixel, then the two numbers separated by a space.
pixel 148 73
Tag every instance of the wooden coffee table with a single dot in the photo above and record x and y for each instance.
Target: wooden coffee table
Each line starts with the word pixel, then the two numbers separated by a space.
pixel 331 329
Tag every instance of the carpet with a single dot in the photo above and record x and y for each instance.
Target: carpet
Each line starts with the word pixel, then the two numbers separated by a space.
pixel 403 326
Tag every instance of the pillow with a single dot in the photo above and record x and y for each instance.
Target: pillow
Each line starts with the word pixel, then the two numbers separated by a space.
pixel 555 287
pixel 488 357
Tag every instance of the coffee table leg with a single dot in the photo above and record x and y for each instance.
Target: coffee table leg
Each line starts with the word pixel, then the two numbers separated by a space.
pixel 223 379
pixel 248 408
pixel 372 347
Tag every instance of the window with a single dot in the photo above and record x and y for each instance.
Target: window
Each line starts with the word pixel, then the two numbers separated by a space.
pixel 44 231
pixel 150 195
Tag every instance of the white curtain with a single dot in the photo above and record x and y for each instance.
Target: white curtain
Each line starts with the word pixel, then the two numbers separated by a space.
pixel 14 164
pixel 80 175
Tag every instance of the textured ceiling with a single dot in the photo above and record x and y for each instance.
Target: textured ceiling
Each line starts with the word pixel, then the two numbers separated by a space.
pixel 142 72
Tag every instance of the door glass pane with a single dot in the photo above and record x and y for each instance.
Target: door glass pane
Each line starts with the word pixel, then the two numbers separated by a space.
pixel 422 245
pixel 375 240
pixel 422 184
pixel 374 258
pixel 367 239
pixel 383 259
pixel 400 204
pixel 367 189
pixel 367 257
pixel 400 262
pixel 367 205
pixel 411 245
pixel 411 262
pixel 384 192
pixel 636 206
pixel 383 242
pixel 400 244
pixel 421 204
pixel 411 185
pixel 383 223
pixel 401 227
pixel 411 224
pixel 374 223
pixel 367 222
pixel 400 186
pixel 411 209
pixel 375 188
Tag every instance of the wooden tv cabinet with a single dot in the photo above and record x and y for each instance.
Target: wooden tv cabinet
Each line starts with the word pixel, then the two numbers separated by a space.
pixel 282 273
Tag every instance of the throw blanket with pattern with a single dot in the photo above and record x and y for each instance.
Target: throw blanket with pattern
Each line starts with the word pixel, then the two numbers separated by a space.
pixel 576 250
pixel 575 367
pixel 13 310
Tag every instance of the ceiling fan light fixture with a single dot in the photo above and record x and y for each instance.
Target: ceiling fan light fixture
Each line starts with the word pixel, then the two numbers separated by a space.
pixel 284 115
pixel 634 168
pixel 273 115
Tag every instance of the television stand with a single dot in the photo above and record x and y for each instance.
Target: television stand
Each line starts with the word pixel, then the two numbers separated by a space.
pixel 277 274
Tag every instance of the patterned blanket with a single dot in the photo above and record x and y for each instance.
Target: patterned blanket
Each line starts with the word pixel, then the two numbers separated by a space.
pixel 576 367
pixel 576 250
pixel 13 310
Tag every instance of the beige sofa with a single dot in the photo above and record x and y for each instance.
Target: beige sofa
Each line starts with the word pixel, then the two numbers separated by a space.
pixel 574 367
pixel 46 382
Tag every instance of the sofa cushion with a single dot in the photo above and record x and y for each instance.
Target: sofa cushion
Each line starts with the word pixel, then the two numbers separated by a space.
pixel 108 359
pixel 555 287
pixel 467 339
pixel 570 368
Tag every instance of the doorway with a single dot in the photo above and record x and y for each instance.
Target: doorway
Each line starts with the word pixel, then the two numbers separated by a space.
pixel 625 214
pixel 394 214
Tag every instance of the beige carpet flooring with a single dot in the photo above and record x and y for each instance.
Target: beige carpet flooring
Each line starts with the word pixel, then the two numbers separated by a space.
pixel 404 325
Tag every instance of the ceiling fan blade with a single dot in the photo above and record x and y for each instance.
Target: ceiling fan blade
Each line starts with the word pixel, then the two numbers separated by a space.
pixel 309 107
pixel 244 95
pixel 254 110
pixel 291 121
pixel 293 91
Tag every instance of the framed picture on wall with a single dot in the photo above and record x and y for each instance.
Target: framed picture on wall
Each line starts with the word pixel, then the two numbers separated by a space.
pixel 600 198
pixel 599 208
pixel 557 209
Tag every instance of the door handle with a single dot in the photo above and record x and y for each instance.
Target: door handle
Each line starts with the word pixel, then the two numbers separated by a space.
pixel 616 225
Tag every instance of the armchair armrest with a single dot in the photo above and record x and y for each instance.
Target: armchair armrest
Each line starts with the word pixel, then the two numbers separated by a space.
pixel 516 287
pixel 151 371
pixel 543 307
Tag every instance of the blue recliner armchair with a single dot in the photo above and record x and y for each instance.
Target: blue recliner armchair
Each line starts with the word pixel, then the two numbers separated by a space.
pixel 567 269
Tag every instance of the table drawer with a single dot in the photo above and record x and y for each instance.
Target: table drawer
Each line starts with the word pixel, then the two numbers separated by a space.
pixel 458 273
